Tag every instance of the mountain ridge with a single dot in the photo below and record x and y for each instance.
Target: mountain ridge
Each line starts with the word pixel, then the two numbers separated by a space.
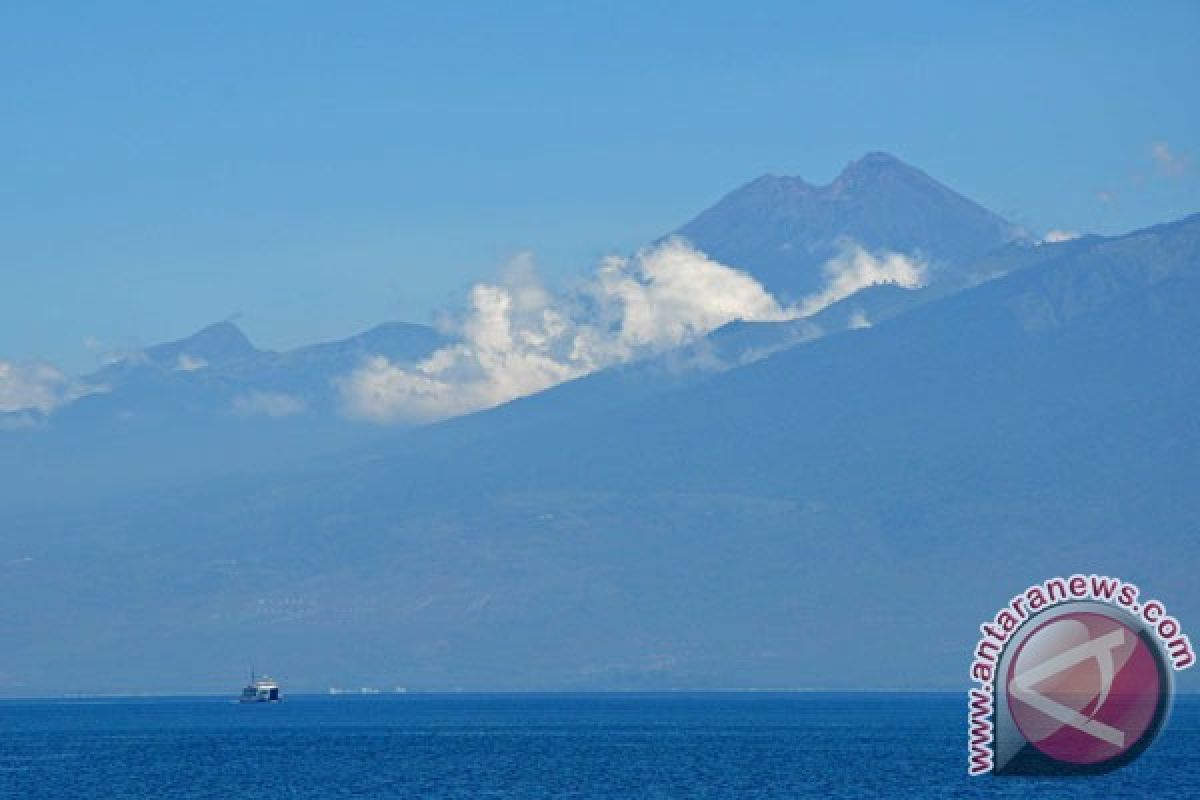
pixel 1041 423
pixel 783 230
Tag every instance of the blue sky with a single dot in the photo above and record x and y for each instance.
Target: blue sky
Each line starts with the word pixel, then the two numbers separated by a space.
pixel 315 168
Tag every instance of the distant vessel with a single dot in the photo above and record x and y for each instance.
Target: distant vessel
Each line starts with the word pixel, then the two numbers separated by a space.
pixel 261 690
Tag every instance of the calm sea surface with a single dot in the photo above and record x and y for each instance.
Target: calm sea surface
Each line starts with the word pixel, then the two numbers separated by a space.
pixel 510 746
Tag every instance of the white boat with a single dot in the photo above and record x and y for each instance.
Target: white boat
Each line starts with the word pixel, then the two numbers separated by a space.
pixel 260 690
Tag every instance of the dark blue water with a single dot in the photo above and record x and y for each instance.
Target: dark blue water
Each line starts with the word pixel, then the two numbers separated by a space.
pixel 517 746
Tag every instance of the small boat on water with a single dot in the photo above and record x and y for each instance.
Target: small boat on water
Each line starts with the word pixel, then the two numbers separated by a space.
pixel 260 690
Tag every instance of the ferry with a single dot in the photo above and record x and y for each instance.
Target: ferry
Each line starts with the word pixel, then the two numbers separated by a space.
pixel 261 690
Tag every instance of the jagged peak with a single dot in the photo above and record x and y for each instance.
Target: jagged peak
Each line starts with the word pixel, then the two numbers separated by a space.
pixel 775 179
pixel 874 165
pixel 869 168
pixel 225 333
pixel 219 341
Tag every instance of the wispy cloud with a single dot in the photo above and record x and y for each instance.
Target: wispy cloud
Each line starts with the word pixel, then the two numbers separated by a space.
pixel 275 405
pixel 33 385
pixel 1056 235
pixel 1160 163
pixel 518 338
pixel 858 320
pixel 1168 162
pixel 108 356
pixel 38 386
pixel 189 363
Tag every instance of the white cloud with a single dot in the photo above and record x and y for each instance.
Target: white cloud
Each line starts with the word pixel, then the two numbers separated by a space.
pixel 1169 163
pixel 35 386
pixel 855 268
pixel 858 319
pixel 798 333
pixel 275 405
pixel 518 338
pixel 189 363
pixel 1056 235
pixel 109 356
pixel 671 293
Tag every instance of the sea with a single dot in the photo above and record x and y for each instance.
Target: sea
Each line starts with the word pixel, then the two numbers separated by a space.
pixel 627 745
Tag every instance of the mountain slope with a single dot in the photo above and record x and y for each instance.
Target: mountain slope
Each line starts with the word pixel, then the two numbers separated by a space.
pixel 783 230
pixel 207 405
pixel 842 514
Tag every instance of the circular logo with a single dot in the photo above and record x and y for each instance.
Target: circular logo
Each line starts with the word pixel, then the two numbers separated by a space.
pixel 1085 688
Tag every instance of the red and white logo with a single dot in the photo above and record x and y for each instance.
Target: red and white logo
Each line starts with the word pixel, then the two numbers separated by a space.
pixel 1074 677
pixel 1084 688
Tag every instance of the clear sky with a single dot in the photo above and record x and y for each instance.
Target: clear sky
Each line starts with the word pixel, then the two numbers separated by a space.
pixel 315 168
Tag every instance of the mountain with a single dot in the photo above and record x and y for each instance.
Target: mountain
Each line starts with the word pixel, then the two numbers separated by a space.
pixel 783 230
pixel 840 514
pixel 213 402
pixel 742 341
pixel 220 364
pixel 216 345
pixel 206 405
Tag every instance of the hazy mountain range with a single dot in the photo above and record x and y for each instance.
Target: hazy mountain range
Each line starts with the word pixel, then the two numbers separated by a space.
pixel 833 500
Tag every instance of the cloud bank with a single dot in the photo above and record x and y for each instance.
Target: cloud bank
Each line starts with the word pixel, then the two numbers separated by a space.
pixel 518 338
pixel 854 268
pixel 32 386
